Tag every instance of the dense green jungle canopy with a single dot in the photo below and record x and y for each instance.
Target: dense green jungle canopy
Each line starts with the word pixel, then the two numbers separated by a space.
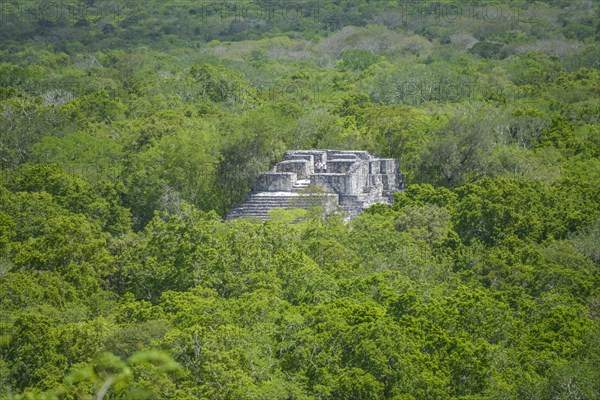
pixel 129 129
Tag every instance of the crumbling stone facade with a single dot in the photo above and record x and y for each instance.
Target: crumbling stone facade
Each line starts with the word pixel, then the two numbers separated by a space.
pixel 350 180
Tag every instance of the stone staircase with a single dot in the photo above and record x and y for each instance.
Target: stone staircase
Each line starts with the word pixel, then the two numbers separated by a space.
pixel 300 184
pixel 260 204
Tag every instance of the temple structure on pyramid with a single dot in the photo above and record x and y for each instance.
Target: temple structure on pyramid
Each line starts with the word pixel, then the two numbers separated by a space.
pixel 347 180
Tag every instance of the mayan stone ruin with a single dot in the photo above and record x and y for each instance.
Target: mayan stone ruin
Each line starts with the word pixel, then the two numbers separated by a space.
pixel 340 180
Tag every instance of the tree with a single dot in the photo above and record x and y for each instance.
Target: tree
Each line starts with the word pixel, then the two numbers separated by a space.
pixel 487 49
pixel 144 375
pixel 32 351
pixel 95 107
pixel 70 193
pixel 395 132
pixel 457 154
pixel 357 60
pixel 494 210
pixel 220 84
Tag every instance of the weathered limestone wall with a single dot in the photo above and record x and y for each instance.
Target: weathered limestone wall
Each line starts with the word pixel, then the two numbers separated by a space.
pixel 360 154
pixel 275 182
pixel 391 178
pixel 352 182
pixel 360 173
pixel 339 166
pixel 308 157
pixel 375 167
pixel 300 167
pixel 332 183
pixel 316 154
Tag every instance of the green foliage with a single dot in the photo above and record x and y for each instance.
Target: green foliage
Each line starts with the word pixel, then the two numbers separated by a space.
pixel 95 107
pixel 486 49
pixel 218 83
pixel 70 193
pixel 534 69
pixel 493 211
pixel 130 130
pixel 356 60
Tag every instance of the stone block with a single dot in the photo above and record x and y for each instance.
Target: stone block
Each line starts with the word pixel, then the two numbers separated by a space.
pixel 339 166
pixel 337 154
pixel 300 167
pixel 308 157
pixel 375 167
pixel 275 182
